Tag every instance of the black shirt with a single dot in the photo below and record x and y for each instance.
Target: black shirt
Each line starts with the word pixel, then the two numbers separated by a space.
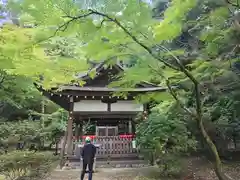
pixel 88 153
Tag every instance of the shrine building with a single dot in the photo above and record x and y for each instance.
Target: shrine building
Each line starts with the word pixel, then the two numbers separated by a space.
pixel 96 112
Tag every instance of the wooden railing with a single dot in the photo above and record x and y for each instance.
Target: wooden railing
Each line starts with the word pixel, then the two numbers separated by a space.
pixel 112 147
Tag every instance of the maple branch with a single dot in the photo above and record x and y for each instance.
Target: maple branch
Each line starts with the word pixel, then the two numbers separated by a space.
pixel 172 92
pixel 148 49
pixel 114 20
pixel 101 24
pixel 181 66
pixel 134 38
pixel 174 95
pixel 233 4
pixel 65 25
pixel 3 76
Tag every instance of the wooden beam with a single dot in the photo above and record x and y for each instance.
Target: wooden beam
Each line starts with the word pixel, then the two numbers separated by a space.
pixel 108 116
pixel 106 113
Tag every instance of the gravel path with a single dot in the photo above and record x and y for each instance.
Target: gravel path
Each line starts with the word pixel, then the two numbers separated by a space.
pixel 102 174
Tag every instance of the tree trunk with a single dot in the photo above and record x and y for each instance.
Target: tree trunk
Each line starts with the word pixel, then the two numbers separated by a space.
pixel 218 164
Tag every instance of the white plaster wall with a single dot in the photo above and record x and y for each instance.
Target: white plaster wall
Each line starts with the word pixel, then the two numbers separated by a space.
pixel 90 106
pixel 130 106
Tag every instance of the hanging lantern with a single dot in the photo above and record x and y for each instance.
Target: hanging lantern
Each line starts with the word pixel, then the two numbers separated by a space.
pixel 145 114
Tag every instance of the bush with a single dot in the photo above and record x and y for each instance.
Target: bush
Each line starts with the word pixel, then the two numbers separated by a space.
pixel 162 138
pixel 26 164
pixel 26 132
pixel 169 165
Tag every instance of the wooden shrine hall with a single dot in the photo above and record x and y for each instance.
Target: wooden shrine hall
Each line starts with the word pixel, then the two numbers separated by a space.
pixel 94 111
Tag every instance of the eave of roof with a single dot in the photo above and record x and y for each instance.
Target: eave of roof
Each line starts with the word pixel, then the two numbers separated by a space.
pixel 106 89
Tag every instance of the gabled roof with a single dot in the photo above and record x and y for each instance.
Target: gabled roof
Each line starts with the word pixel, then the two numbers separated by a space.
pixel 93 85
pixel 96 87
pixel 98 67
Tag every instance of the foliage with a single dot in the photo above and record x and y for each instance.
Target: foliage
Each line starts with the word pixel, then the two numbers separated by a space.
pixel 55 126
pixel 20 55
pixel 172 23
pixel 117 31
pixel 16 90
pixel 165 136
pixel 26 164
pixel 170 165
pixel 30 132
pixel 95 48
pixel 87 127
pixel 26 132
pixel 168 135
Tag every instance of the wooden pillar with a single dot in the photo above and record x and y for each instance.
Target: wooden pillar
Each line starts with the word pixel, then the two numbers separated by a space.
pixel 77 131
pixel 80 128
pixel 130 126
pixel 96 134
pixel 70 129
pixel 134 127
pixel 62 152
pixel 76 135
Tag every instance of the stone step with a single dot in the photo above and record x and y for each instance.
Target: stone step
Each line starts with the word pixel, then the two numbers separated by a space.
pixel 110 157
pixel 113 164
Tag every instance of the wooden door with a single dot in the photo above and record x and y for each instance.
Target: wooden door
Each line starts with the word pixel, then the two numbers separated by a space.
pixel 101 131
pixel 112 131
pixel 106 130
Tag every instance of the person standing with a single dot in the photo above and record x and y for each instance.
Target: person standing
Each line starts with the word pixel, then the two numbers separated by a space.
pixel 88 155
